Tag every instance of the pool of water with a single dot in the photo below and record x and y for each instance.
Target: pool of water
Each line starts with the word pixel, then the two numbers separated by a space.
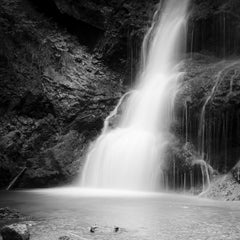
pixel 140 216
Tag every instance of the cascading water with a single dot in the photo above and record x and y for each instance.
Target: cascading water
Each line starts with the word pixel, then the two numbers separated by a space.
pixel 204 132
pixel 130 156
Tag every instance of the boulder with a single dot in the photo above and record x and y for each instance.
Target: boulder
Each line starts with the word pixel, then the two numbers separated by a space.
pixel 8 213
pixel 15 232
pixel 223 188
pixel 236 172
pixel 64 238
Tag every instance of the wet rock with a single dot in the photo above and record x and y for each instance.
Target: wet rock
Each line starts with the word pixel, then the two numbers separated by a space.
pixel 223 187
pixel 10 144
pixel 34 106
pixel 57 163
pixel 117 19
pixel 15 232
pixel 8 213
pixel 93 229
pixel 86 122
pixel 105 229
pixel 236 172
pixel 51 101
pixel 5 171
pixel 90 12
pixel 64 238
pixel 210 97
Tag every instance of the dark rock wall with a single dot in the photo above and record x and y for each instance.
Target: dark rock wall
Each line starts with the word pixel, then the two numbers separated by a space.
pixel 209 110
pixel 54 96
pixel 214 27
pixel 123 24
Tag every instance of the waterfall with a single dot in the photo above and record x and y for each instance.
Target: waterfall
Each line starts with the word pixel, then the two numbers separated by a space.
pixel 130 155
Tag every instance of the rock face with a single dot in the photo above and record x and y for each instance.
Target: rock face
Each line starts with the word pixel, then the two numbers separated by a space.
pixel 213 26
pixel 120 23
pixel 54 96
pixel 209 116
pixel 224 188
pixel 15 232
pixel 236 172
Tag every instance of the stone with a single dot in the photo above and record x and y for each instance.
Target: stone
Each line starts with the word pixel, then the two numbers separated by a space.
pixel 64 238
pixel 236 172
pixel 8 213
pixel 93 229
pixel 15 232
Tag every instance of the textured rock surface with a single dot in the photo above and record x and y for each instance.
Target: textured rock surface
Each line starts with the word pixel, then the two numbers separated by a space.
pixel 15 232
pixel 123 29
pixel 64 238
pixel 215 84
pixel 8 213
pixel 236 172
pixel 224 188
pixel 54 97
pixel 213 25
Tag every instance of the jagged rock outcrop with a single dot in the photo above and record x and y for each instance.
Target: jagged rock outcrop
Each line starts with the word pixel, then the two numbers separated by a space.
pixel 15 232
pixel 10 214
pixel 54 96
pixel 209 111
pixel 213 26
pixel 236 172
pixel 224 188
pixel 123 24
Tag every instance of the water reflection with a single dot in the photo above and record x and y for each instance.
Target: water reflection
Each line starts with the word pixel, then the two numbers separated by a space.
pixel 66 211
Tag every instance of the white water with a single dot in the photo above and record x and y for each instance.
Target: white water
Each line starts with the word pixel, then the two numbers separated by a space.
pixel 130 156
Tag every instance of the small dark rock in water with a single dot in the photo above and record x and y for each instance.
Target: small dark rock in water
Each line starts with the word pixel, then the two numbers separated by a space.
pixel 236 172
pixel 93 229
pixel 64 238
pixel 9 213
pixel 15 232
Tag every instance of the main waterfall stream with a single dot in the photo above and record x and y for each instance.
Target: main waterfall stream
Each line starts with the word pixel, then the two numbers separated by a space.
pixel 130 156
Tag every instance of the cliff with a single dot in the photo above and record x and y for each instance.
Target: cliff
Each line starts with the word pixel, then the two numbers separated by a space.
pixel 54 96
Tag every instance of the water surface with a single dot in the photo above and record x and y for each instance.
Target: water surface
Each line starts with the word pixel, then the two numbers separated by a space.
pixel 139 216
